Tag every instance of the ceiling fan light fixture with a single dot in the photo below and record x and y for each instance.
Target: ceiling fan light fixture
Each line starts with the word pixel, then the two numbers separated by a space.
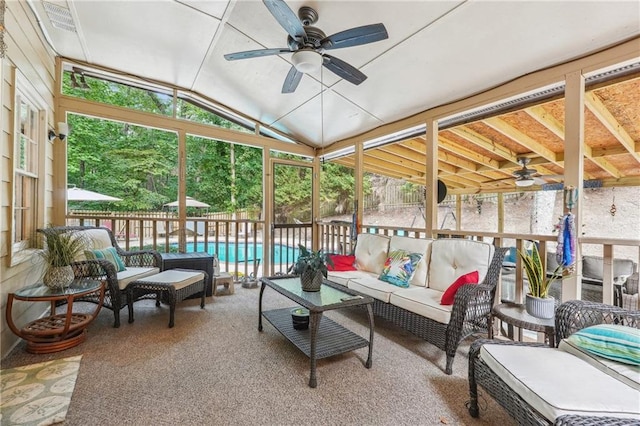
pixel 524 182
pixel 307 61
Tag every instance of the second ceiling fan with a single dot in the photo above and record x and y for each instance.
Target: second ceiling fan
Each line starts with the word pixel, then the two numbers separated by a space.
pixel 308 44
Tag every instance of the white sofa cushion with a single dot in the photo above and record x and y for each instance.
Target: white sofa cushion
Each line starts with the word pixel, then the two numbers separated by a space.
pixel 414 245
pixel 423 301
pixel 453 257
pixel 343 277
pixel 179 279
pixel 134 273
pixel 372 286
pixel 555 383
pixel 371 252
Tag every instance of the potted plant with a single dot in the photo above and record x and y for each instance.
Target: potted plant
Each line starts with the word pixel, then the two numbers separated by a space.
pixel 538 303
pixel 311 266
pixel 300 318
pixel 61 249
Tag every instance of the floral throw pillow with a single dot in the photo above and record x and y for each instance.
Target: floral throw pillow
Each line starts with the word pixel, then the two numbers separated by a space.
pixel 400 267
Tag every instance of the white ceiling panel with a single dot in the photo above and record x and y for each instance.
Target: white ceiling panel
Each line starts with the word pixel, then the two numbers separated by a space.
pixel 322 120
pixel 437 51
pixel 215 8
pixel 166 42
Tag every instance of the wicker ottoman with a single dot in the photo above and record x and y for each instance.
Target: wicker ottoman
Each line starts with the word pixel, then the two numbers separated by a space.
pixel 169 287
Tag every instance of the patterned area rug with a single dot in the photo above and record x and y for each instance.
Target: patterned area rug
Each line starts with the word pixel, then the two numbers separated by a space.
pixel 38 394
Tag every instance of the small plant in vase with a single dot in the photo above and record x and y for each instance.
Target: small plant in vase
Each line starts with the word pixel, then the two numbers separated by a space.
pixel 311 266
pixel 61 250
pixel 538 303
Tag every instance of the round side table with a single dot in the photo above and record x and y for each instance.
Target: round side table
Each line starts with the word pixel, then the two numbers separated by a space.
pixel 55 332
pixel 515 315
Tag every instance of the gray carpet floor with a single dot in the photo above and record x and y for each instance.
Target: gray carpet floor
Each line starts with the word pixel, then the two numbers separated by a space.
pixel 215 368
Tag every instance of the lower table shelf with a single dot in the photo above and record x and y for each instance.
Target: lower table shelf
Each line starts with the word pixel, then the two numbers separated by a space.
pixel 332 338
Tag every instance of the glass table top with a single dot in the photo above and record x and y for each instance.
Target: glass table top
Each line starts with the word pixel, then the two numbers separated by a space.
pixel 326 296
pixel 39 290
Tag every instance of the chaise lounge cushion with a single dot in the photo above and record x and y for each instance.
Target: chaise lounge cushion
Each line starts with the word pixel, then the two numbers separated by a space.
pixel 453 257
pixel 555 382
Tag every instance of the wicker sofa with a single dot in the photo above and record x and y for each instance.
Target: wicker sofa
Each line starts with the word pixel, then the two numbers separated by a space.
pixel 418 308
pixel 138 264
pixel 539 385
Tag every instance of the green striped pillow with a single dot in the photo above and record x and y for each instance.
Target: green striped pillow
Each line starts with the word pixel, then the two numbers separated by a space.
pixel 110 254
pixel 616 342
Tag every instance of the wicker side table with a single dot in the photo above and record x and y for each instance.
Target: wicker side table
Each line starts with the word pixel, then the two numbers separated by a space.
pixel 170 287
pixel 515 315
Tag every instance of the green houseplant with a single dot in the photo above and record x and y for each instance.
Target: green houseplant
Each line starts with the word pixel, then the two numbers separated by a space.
pixel 60 250
pixel 538 303
pixel 311 266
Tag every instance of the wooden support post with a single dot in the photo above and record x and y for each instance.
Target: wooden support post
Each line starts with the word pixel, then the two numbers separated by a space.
pixel 431 178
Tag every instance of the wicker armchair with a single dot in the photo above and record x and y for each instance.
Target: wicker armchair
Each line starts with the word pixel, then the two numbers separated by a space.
pixel 115 297
pixel 570 317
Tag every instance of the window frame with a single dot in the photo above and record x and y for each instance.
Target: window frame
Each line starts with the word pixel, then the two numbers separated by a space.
pixel 34 173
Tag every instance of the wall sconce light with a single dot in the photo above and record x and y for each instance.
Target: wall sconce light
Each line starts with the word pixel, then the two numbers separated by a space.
pixel 78 81
pixel 63 131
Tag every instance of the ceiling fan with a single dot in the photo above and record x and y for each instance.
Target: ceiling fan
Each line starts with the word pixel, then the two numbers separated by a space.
pixel 527 177
pixel 308 44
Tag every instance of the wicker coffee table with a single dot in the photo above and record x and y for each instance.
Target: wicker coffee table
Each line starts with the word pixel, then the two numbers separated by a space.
pixel 325 337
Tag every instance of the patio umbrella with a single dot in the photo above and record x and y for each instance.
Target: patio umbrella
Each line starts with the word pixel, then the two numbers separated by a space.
pixel 79 194
pixel 190 203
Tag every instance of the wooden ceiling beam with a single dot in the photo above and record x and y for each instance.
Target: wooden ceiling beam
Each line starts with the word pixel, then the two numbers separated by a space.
pixel 607 119
pixel 395 161
pixel 463 152
pixel 539 114
pixel 520 138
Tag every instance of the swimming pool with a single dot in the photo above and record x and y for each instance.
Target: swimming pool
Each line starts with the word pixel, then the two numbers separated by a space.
pixel 243 252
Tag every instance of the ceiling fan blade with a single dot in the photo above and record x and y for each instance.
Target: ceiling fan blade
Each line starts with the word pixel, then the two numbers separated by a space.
pixel 355 37
pixel 287 19
pixel 254 53
pixel 292 80
pixel 343 69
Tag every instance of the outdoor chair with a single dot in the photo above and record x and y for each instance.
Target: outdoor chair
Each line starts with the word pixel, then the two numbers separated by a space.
pixel 137 264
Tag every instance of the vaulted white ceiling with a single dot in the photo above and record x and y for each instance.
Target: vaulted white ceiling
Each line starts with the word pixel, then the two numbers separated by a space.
pixel 437 52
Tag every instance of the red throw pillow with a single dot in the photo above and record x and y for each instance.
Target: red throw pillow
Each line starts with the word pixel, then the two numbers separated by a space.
pixel 450 293
pixel 342 262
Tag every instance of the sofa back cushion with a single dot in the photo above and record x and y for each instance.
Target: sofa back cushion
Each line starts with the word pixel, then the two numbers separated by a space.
pixel 371 252
pixel 94 239
pixel 453 257
pixel 592 267
pixel 421 246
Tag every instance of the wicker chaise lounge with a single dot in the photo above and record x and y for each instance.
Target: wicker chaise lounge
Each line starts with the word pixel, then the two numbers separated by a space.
pixel 138 264
pixel 570 317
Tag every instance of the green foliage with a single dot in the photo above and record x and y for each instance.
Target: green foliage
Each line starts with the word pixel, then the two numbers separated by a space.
pixel 539 283
pixel 314 260
pixel 140 165
pixel 61 247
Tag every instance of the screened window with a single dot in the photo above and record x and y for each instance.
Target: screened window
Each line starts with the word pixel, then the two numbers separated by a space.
pixel 30 130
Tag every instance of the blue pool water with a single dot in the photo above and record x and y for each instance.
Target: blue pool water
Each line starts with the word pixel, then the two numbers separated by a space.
pixel 242 252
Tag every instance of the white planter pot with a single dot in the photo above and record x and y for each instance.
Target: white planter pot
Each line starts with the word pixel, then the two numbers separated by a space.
pixel 540 308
